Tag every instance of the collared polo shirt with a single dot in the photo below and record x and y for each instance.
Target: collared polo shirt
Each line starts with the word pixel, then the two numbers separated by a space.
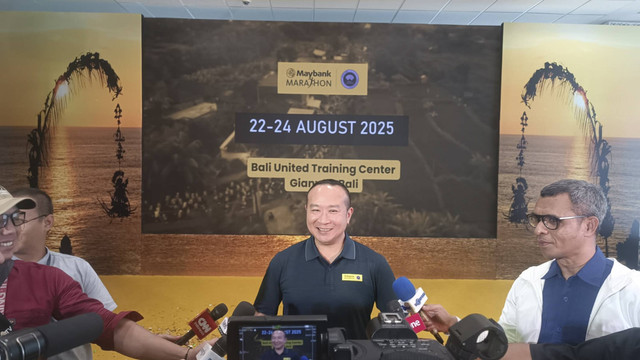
pixel 287 354
pixel 567 304
pixel 344 290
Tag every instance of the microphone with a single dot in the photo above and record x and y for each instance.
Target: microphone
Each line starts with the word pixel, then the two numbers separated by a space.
pixel 5 325
pixel 219 349
pixel 204 323
pixel 395 306
pixel 405 290
pixel 51 339
pixel 206 352
pixel 242 309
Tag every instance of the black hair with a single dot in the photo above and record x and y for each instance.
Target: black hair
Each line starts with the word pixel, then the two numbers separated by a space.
pixel 332 182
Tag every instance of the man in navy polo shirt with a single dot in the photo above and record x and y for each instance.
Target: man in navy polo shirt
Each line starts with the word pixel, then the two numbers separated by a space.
pixel 328 273
pixel 278 350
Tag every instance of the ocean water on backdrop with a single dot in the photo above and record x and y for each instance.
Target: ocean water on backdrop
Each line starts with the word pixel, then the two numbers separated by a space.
pixel 82 163
pixel 550 158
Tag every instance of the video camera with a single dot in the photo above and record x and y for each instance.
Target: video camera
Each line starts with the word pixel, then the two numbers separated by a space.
pixel 390 338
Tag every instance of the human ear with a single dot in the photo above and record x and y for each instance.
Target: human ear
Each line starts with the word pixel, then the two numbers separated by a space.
pixel 592 224
pixel 48 222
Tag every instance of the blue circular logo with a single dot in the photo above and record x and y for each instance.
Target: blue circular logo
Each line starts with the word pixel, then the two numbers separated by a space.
pixel 349 79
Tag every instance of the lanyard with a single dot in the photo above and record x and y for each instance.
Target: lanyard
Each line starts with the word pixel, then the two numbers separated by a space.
pixel 5 269
pixel 3 295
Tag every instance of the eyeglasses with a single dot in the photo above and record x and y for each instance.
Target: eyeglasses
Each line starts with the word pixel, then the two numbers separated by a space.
pixel 549 221
pixel 17 218
pixel 35 218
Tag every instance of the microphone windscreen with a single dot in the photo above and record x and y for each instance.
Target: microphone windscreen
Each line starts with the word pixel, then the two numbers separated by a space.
pixel 244 309
pixel 66 334
pixel 219 311
pixel 403 288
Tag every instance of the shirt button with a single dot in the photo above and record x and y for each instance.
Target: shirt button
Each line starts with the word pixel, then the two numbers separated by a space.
pixel 565 299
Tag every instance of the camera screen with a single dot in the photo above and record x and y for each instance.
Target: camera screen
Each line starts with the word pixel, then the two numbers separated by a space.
pixel 275 338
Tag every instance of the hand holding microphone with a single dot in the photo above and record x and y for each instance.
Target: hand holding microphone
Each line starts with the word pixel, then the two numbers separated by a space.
pixel 415 299
pixel 438 318
pixel 219 349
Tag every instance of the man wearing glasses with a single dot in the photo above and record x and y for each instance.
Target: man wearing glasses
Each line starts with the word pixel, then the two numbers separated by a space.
pixel 34 293
pixel 579 294
pixel 32 247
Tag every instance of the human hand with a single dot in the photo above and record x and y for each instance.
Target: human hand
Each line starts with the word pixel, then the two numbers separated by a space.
pixel 191 355
pixel 437 318
pixel 170 337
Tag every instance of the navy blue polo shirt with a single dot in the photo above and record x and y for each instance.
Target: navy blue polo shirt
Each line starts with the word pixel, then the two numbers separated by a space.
pixel 287 354
pixel 344 290
pixel 567 304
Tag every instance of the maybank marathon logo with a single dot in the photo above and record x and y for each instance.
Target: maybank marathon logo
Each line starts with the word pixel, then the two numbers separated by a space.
pixel 320 78
pixel 308 78
pixel 349 79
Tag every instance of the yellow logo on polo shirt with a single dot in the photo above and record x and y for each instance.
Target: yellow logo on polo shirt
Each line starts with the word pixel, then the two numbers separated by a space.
pixel 352 277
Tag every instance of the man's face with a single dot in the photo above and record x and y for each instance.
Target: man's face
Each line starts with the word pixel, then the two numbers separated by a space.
pixel 34 233
pixel 9 237
pixel 278 340
pixel 569 239
pixel 327 214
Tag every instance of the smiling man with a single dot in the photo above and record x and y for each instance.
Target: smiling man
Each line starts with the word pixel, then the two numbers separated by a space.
pixel 328 273
pixel 35 293
pixel 278 350
pixel 579 294
pixel 32 247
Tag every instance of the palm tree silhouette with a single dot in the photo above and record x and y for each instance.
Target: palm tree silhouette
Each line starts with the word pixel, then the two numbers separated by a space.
pixel 548 77
pixel 82 69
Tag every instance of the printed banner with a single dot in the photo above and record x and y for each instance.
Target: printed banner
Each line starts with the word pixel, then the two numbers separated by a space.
pixel 300 174
pixel 322 78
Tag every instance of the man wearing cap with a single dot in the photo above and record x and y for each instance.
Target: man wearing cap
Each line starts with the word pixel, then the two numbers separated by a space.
pixel 35 293
pixel 32 247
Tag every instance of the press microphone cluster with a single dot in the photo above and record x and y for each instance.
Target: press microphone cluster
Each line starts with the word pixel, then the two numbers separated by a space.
pixel 51 339
pixel 219 349
pixel 414 299
pixel 203 324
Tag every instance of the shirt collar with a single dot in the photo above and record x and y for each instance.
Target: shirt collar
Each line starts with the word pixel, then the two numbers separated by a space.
pixel 554 270
pixel 43 261
pixel 590 273
pixel 348 250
